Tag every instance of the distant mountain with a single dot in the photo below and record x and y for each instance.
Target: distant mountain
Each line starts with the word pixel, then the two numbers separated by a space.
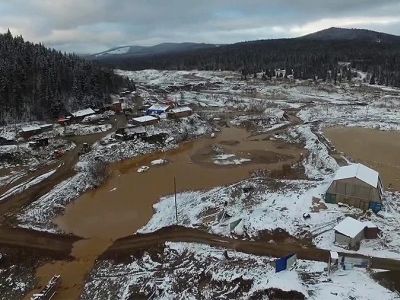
pixel 316 55
pixel 140 51
pixel 334 33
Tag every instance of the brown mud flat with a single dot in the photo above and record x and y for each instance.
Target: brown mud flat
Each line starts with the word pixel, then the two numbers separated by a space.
pixel 124 203
pixel 374 148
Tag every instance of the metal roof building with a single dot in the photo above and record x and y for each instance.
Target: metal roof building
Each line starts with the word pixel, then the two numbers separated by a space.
pixel 356 185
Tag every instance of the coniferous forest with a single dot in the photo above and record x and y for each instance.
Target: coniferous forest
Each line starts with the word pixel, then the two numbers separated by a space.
pixel 37 83
pixel 305 58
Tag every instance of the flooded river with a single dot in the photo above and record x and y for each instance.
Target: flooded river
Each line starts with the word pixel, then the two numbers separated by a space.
pixel 123 204
pixel 377 149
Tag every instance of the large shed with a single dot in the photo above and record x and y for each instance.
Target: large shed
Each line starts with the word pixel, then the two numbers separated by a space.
pixel 358 186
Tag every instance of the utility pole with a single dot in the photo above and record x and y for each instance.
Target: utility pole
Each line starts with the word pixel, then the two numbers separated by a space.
pixel 176 207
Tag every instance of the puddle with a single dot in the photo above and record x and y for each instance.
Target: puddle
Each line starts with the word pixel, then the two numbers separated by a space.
pixel 374 148
pixel 123 204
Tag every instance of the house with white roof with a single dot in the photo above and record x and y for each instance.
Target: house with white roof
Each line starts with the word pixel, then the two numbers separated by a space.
pixel 144 120
pixel 81 114
pixel 350 232
pixel 358 186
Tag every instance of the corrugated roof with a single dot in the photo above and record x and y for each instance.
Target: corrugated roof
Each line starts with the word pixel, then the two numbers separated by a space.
pixel 359 171
pixel 162 107
pixel 83 112
pixel 28 128
pixel 181 109
pixel 350 227
pixel 144 119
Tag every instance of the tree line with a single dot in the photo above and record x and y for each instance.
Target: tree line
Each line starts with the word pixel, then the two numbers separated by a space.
pixel 304 58
pixel 37 83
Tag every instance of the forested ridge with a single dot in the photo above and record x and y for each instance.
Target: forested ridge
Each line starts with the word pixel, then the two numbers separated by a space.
pixel 307 57
pixel 37 83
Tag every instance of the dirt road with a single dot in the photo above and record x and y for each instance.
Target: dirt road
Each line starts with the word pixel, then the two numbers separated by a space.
pixel 56 245
pixel 141 242
pixel 13 204
pixel 50 244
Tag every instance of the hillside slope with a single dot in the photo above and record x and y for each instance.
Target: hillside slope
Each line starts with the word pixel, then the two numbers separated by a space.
pixel 334 33
pixel 305 57
pixel 40 83
pixel 139 51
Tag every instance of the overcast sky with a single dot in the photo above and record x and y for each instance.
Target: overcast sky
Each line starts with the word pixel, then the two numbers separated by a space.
pixel 87 26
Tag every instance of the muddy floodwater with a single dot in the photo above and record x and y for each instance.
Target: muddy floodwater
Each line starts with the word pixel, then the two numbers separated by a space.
pixel 124 203
pixel 377 149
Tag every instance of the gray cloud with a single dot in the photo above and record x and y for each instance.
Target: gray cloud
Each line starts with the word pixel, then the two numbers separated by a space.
pixel 95 25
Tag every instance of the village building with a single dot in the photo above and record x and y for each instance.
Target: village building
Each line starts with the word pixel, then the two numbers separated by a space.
pixel 280 73
pixel 63 121
pixel 29 130
pixel 350 232
pixel 144 120
pixel 130 132
pixel 157 109
pixel 5 141
pixel 358 186
pixel 43 142
pixel 81 114
pixel 116 106
pixel 46 127
pixel 371 230
pixel 180 112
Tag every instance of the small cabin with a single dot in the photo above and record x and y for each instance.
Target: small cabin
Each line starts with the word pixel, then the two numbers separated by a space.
pixel 180 112
pixel 350 232
pixel 29 130
pixel 81 114
pixel 356 185
pixel 116 107
pixel 144 120
pixel 130 132
pixel 39 143
pixel 64 121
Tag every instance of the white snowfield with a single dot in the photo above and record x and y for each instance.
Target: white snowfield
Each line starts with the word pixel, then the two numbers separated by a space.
pixel 25 185
pixel 181 268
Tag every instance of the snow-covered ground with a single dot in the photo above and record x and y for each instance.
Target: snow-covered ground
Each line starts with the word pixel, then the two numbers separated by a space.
pixel 25 185
pixel 262 204
pixel 195 271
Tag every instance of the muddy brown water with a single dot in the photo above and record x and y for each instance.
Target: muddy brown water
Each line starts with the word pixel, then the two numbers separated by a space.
pixel 377 149
pixel 123 204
